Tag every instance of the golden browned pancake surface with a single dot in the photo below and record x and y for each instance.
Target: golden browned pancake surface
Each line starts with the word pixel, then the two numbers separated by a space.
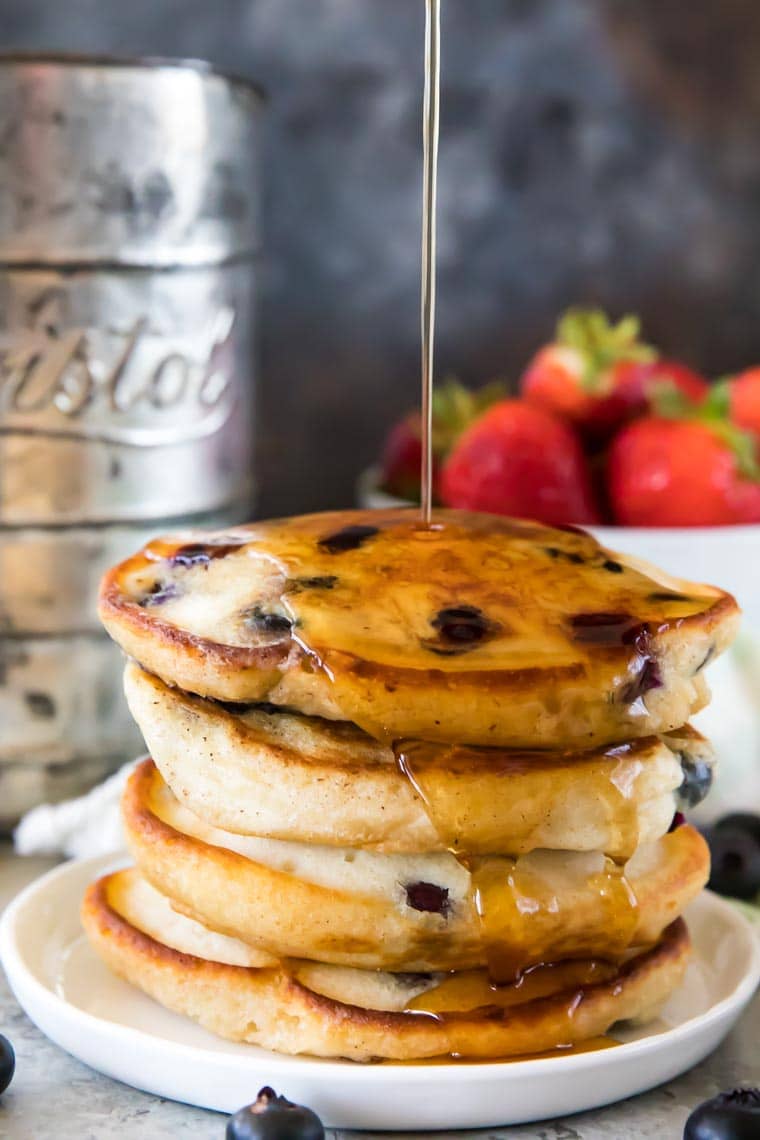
pixel 478 629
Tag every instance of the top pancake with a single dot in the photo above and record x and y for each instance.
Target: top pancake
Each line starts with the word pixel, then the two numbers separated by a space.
pixel 477 629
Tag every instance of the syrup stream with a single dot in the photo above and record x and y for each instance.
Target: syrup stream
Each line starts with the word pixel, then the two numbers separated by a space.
pixel 430 120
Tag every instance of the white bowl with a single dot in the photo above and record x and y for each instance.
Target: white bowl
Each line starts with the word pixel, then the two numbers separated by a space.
pixel 725 556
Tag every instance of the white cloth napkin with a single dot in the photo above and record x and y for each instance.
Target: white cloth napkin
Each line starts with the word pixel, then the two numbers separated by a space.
pixel 78 828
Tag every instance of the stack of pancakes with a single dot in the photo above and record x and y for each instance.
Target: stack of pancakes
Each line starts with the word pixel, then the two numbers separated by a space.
pixel 414 790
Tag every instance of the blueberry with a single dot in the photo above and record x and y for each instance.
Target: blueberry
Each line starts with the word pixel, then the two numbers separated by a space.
pixel 192 554
pixel 264 621
pixel 570 555
pixel 697 781
pixel 428 897
pixel 201 553
pixel 7 1063
pixel 604 628
pixel 647 678
pixel 40 704
pixel 745 821
pixel 272 1117
pixel 731 1115
pixel 678 820
pixel 458 624
pixel 459 628
pixel 159 593
pixel 349 538
pixel 735 857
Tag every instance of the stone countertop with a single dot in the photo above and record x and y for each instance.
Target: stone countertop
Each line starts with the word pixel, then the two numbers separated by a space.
pixel 54 1096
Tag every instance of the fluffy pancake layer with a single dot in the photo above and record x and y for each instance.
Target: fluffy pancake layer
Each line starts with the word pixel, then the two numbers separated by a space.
pixel 393 911
pixel 281 775
pixel 276 1006
pixel 479 629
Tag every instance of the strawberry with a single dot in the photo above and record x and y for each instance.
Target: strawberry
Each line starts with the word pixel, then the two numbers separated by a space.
pixel 401 460
pixel 641 383
pixel 744 400
pixel 683 472
pixel 518 459
pixel 594 374
pixel 454 407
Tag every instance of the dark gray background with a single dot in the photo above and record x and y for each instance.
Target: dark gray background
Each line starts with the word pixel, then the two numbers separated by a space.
pixel 592 150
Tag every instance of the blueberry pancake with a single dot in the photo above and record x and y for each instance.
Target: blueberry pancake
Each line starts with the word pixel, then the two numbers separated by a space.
pixel 406 912
pixel 269 772
pixel 478 629
pixel 416 788
pixel 328 1012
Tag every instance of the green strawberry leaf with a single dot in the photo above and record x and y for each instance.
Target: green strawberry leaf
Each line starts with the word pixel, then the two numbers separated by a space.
pixel 602 344
pixel 456 407
pixel 742 444
pixel 669 402
pixel 718 401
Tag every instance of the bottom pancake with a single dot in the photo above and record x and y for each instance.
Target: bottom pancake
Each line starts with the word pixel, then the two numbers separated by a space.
pixel 291 1007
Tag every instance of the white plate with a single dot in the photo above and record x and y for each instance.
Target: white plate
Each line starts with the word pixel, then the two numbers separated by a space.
pixel 117 1030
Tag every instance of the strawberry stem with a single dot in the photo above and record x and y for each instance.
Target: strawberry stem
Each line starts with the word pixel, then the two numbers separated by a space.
pixel 602 344
pixel 741 444
pixel 669 402
pixel 456 407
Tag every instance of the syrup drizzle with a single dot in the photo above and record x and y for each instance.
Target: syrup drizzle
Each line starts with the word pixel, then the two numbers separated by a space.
pixel 526 909
pixel 468 792
pixel 465 995
pixel 468 990
pixel 430 122
pixel 591 1045
pixel 515 907
pixel 522 915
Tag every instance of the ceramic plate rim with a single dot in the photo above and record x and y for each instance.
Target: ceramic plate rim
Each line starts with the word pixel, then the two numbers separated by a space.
pixel 14 961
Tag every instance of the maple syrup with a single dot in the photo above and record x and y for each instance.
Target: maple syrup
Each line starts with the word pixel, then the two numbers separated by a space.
pixel 468 791
pixel 471 994
pixel 476 629
pixel 430 122
pixel 520 906
pixel 591 1045
pixel 467 991
pixel 521 912
pixel 517 908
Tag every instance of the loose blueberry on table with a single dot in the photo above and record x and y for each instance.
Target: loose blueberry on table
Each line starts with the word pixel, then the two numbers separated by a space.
pixel 272 1117
pixel 731 1115
pixel 734 843
pixel 745 821
pixel 7 1063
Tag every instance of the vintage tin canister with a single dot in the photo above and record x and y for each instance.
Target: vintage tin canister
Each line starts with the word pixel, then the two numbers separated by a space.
pixel 129 195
